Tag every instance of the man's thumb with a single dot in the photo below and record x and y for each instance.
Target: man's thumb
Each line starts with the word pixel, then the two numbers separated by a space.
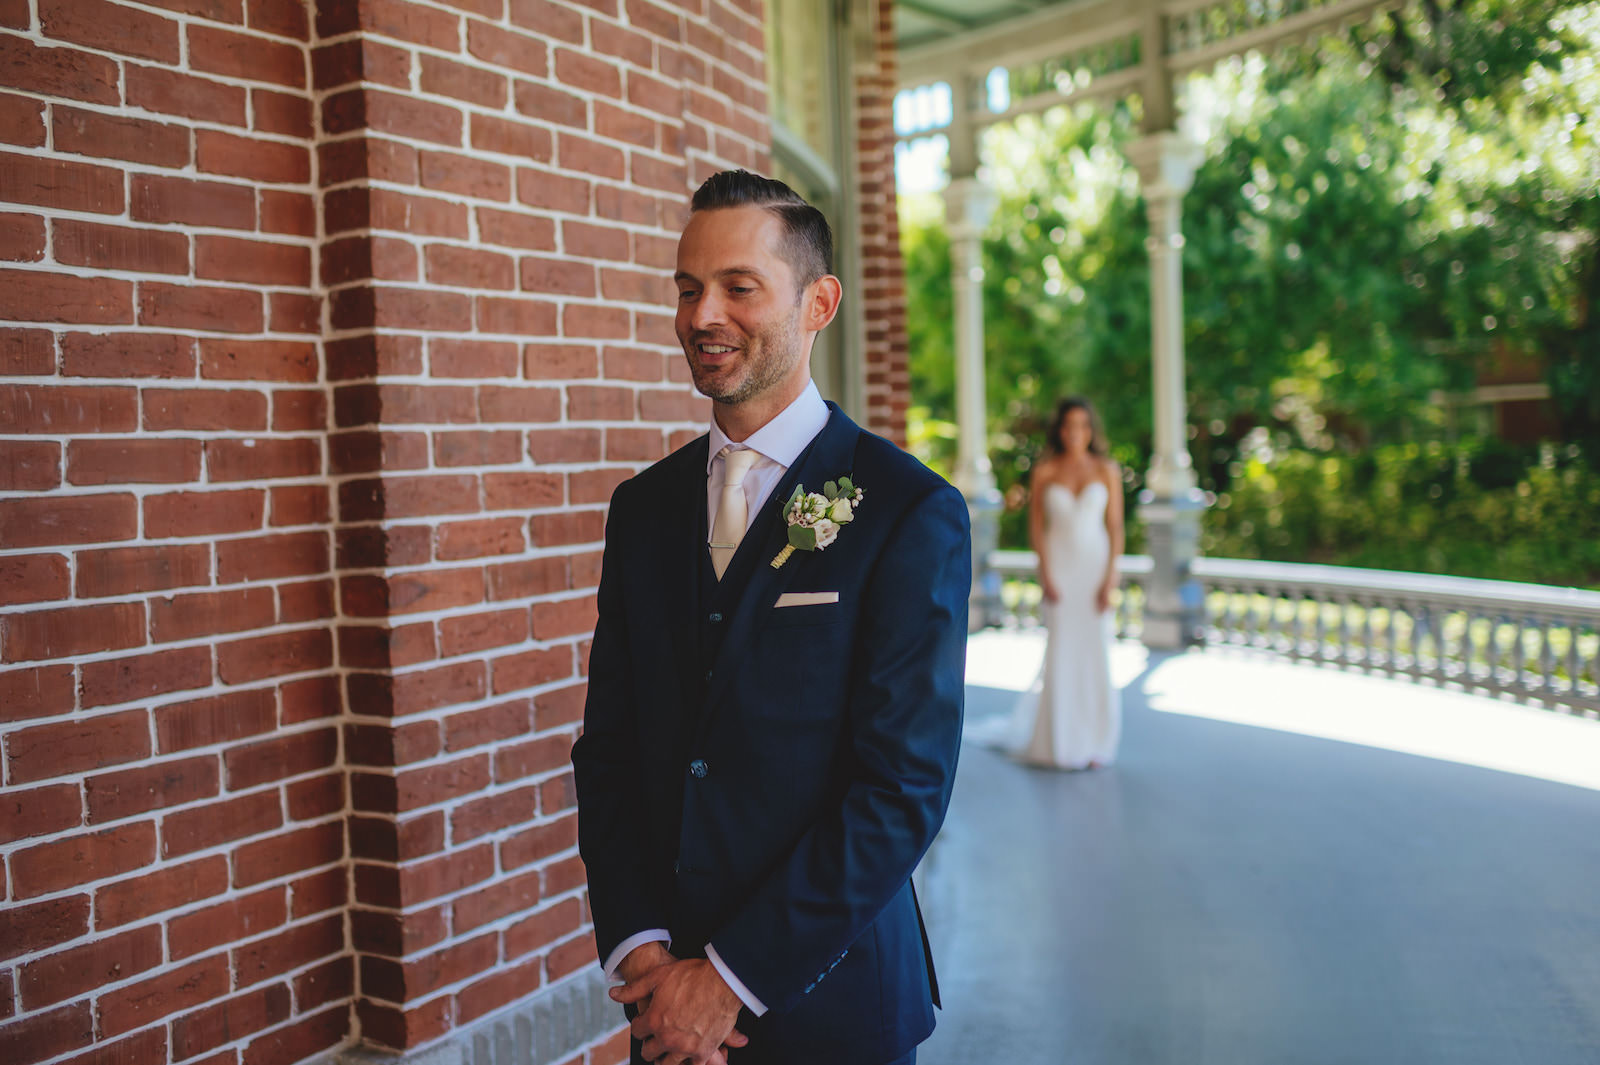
pixel 640 988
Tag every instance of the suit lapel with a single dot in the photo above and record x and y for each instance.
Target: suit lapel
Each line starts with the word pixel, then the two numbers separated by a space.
pixel 682 540
pixel 828 457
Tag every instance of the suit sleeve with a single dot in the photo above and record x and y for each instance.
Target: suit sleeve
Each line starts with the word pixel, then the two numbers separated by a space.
pixel 905 697
pixel 609 773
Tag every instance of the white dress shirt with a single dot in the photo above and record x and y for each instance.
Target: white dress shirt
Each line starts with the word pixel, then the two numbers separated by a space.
pixel 779 442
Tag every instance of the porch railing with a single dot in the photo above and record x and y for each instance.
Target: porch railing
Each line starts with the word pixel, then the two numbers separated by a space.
pixel 1527 642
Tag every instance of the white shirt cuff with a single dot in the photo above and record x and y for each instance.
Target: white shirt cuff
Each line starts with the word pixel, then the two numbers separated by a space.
pixel 734 983
pixel 638 939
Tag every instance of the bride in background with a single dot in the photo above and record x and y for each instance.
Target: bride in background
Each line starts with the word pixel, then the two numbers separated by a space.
pixel 1072 718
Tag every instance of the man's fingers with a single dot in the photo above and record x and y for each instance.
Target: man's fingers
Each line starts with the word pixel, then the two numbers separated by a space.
pixel 736 1038
pixel 662 1052
pixel 655 1050
pixel 639 989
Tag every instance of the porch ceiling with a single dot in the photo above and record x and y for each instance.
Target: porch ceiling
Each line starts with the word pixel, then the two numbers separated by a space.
pixel 919 23
pixel 1101 47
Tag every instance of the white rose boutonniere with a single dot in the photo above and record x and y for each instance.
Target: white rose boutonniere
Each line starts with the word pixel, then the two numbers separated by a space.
pixel 814 519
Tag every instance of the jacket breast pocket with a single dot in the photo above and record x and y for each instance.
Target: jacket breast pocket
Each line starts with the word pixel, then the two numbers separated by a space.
pixel 786 617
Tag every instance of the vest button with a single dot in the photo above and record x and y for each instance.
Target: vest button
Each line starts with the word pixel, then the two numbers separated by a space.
pixel 698 769
pixel 715 618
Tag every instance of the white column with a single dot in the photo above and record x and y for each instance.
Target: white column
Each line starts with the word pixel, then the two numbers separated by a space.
pixel 968 207
pixel 1166 164
pixel 1171 504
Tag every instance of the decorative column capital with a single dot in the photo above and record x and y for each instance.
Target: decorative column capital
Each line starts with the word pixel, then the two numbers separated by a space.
pixel 968 206
pixel 1166 162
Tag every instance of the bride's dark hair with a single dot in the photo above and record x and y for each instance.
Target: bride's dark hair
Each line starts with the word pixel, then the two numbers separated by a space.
pixel 1097 435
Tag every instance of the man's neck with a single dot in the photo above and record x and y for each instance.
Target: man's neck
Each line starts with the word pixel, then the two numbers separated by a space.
pixel 740 421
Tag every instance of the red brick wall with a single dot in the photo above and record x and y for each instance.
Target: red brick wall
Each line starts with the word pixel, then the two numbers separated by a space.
pixel 173 814
pixel 328 334
pixel 328 330
pixel 502 221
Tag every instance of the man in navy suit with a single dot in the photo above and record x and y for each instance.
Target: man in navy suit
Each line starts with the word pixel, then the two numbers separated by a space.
pixel 770 736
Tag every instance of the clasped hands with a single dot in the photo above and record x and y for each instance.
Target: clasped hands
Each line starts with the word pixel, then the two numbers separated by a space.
pixel 686 1011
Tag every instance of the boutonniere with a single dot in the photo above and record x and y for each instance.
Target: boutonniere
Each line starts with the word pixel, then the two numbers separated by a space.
pixel 814 519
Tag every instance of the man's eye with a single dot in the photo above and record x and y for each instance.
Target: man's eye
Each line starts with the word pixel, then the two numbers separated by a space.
pixel 740 290
pixel 686 295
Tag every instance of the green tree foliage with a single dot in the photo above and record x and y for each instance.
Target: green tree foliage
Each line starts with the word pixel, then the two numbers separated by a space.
pixel 1376 218
pixel 1472 509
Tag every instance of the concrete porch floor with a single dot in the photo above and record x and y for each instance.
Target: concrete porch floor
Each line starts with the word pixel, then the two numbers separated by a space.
pixel 1288 865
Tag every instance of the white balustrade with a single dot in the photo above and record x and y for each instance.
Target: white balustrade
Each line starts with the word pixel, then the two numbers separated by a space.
pixel 1531 643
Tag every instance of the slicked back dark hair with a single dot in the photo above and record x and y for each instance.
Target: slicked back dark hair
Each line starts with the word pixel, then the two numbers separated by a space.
pixel 807 240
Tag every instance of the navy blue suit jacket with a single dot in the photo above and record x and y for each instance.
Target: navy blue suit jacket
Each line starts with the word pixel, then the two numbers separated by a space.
pixel 776 805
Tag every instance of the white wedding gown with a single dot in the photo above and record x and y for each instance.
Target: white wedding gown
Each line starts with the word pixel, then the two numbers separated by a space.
pixel 1072 716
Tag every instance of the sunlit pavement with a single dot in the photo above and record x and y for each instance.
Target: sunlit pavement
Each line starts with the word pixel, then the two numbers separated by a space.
pixel 1289 864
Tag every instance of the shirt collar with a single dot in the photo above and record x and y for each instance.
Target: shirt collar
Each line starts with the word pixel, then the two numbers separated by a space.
pixel 785 436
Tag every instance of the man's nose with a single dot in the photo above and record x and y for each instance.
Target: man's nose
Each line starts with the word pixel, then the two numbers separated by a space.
pixel 707 311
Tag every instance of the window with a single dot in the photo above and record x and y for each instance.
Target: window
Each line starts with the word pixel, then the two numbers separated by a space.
pixel 809 81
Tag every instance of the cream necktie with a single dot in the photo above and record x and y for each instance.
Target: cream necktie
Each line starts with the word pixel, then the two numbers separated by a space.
pixel 728 529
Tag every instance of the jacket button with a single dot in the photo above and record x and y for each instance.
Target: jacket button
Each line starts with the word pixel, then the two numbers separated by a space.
pixel 698 769
pixel 676 868
pixel 715 618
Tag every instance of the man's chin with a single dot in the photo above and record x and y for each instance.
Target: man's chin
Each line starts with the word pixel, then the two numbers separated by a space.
pixel 718 389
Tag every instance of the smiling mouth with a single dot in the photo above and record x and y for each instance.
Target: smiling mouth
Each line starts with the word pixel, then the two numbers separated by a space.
pixel 714 354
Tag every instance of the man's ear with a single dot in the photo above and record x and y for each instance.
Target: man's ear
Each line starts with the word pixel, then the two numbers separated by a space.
pixel 822 298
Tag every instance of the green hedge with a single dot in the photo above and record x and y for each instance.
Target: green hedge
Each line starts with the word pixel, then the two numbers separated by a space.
pixel 1470 509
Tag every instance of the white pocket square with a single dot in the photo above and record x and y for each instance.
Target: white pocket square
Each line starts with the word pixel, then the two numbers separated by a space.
pixel 805 599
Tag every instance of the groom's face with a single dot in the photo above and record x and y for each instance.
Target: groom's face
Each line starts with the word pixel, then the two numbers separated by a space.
pixel 739 305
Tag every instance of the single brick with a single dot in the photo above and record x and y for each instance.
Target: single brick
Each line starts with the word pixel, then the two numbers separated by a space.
pixel 198 614
pixel 207 826
pixel 45 751
pixel 126 354
pixel 33 578
pixel 38 926
pixel 50 867
pixel 39 812
pixel 223 718
pixel 111 27
pixel 112 796
pixel 165 888
pixel 123 680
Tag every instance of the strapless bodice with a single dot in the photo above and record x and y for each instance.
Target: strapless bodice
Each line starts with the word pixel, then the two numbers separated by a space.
pixel 1091 499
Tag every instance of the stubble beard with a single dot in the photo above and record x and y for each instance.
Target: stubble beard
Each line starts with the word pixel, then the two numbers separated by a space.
pixel 777 348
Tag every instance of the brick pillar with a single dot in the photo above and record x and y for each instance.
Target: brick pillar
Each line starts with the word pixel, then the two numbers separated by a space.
pixel 888 374
pixel 501 203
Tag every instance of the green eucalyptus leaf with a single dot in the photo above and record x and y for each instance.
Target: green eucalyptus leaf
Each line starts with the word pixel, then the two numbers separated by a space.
pixel 831 490
pixel 803 537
